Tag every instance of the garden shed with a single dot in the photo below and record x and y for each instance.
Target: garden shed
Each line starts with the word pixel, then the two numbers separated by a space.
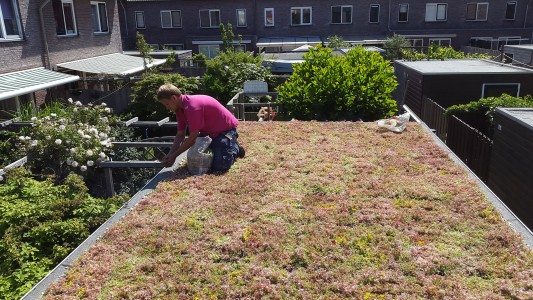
pixel 511 167
pixel 521 55
pixel 450 82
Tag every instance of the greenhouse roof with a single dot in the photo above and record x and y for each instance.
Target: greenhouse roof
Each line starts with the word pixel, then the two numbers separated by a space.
pixel 315 209
pixel 115 63
pixel 28 81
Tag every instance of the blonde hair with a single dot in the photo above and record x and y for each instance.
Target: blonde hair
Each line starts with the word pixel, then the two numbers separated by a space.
pixel 166 91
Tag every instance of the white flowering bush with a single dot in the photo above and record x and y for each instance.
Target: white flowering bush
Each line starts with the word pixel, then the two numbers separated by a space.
pixel 75 139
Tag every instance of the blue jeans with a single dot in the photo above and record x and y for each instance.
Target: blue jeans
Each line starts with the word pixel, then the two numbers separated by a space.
pixel 225 150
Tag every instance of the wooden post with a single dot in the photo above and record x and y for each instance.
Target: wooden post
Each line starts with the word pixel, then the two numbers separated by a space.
pixel 109 182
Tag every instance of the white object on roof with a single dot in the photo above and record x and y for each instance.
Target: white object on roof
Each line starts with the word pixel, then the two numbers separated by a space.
pixel 305 47
pixel 462 66
pixel 116 63
pixel 28 81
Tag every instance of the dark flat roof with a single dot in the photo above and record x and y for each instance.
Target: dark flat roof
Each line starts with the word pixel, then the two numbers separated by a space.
pixel 462 66
pixel 523 116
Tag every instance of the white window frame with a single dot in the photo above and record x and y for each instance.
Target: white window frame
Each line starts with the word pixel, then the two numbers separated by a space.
pixel 502 83
pixel 432 40
pixel 4 35
pixel 477 19
pixel 342 7
pixel 166 45
pixel 136 22
pixel 370 13
pixel 209 49
pixel 98 16
pixel 434 18
pixel 399 11
pixel 245 17
pixel 265 17
pixel 301 9
pixel 210 21
pixel 514 13
pixel 73 18
pixel 171 20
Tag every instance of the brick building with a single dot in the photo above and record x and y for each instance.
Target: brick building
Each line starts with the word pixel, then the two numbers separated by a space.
pixel 276 25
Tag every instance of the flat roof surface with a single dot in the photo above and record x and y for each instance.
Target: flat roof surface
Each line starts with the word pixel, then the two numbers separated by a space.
pixel 522 115
pixel 115 63
pixel 316 209
pixel 528 46
pixel 462 66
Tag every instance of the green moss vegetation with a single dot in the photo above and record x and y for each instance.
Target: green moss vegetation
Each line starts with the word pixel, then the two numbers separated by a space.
pixel 386 232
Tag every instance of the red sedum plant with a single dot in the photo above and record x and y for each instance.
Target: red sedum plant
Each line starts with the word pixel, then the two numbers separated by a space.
pixel 314 211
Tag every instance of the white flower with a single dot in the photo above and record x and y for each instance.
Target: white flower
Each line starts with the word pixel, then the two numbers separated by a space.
pixel 78 103
pixel 104 119
pixel 27 138
pixel 62 121
pixel 86 136
pixel 102 155
pixel 83 168
pixel 61 127
pixel 22 138
pixel 48 137
pixel 80 132
pixel 34 143
pixel 75 109
pixel 58 142
pixel 1 170
pixel 72 150
pixel 90 105
pixel 103 104
pixel 89 152
pixel 53 115
pixel 107 110
pixel 75 164
pixel 70 100
pixel 102 135
pixel 93 131
pixel 47 118
pixel 33 119
pixel 1 178
pixel 90 163
pixel 69 161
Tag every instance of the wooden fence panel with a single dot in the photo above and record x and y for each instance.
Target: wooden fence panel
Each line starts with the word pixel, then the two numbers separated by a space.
pixel 435 117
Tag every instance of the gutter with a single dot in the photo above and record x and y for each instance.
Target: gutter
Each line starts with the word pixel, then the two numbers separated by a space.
pixel 38 290
pixel 507 214
pixel 46 54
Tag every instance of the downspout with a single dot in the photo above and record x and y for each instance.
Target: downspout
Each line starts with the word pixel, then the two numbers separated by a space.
pixel 388 23
pixel 125 16
pixel 46 54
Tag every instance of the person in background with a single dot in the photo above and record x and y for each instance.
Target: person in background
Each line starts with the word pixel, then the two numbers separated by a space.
pixel 202 115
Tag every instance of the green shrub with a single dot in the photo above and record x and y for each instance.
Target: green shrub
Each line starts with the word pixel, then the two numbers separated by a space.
pixel 394 46
pixel 40 223
pixel 10 149
pixel 225 74
pixel 337 42
pixel 487 106
pixel 143 99
pixel 438 52
pixel 328 87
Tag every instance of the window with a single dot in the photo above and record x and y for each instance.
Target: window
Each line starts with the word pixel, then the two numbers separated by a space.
pixel 416 43
pixel 9 20
pixel 498 89
pixel 209 50
pixel 209 18
pixel 436 12
pixel 510 10
pixel 301 16
pixel 374 13
pixel 170 18
pixel 269 17
pixel 341 14
pixel 99 17
pixel 139 20
pixel 240 48
pixel 173 47
pixel 446 42
pixel 403 13
pixel 65 17
pixel 241 17
pixel 477 11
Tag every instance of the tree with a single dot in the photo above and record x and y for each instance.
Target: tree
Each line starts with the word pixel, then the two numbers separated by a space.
pixel 328 87
pixel 144 49
pixel 394 46
pixel 336 42
pixel 225 74
pixel 227 35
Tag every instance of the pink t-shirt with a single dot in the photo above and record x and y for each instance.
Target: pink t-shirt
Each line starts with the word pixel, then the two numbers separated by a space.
pixel 204 114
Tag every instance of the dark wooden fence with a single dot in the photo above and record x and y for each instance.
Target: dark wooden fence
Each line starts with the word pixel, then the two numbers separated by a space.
pixel 468 143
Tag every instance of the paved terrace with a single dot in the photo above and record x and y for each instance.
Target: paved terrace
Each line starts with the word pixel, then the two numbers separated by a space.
pixel 315 210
